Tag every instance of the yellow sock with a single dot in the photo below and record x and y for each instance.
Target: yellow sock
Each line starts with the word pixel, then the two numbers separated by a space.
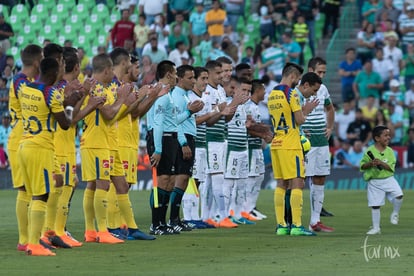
pixel 63 210
pixel 279 201
pixel 126 210
pixel 112 209
pixel 88 209
pixel 51 209
pixel 100 203
pixel 37 220
pixel 296 202
pixel 22 214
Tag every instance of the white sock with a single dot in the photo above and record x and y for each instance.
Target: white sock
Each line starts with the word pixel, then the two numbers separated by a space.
pixel 376 217
pixel 397 202
pixel 255 193
pixel 187 206
pixel 206 198
pixel 218 196
pixel 239 197
pixel 250 190
pixel 196 207
pixel 228 192
pixel 317 197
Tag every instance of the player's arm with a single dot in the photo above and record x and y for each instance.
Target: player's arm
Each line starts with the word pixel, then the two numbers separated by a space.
pixel 152 94
pixel 158 130
pixel 63 120
pixel 217 110
pixel 109 111
pixel 93 103
pixel 330 119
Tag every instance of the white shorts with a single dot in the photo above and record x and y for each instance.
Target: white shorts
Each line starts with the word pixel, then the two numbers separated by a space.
pixel 378 189
pixel 216 152
pixel 256 162
pixel 317 161
pixel 200 164
pixel 237 165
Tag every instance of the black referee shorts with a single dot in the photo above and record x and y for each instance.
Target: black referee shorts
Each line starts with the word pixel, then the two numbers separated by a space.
pixel 169 152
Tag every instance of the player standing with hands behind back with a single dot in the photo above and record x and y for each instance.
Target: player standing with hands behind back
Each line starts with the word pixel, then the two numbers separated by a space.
pixel 378 165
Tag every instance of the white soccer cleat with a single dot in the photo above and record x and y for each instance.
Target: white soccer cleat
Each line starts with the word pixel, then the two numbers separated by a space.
pixel 374 231
pixel 394 218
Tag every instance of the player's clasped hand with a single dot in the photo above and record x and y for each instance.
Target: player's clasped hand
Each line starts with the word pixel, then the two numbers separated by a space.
pixel 195 106
pixel 309 106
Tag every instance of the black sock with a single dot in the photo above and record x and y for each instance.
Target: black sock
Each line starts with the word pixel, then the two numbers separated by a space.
pixel 288 210
pixel 175 201
pixel 164 198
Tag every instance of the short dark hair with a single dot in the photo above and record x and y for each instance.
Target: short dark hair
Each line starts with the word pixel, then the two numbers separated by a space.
pixel 378 130
pixel 198 70
pixel 315 61
pixel 118 55
pixel 291 68
pixel 242 66
pixel 163 68
pixel 211 64
pixel 256 84
pixel 52 50
pixel 311 78
pixel 71 58
pixel 178 44
pixel 30 53
pixel 350 49
pixel 49 69
pixel 101 62
pixel 182 69
pixel 224 60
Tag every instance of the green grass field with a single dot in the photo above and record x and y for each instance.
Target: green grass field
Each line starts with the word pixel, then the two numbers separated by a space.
pixel 247 250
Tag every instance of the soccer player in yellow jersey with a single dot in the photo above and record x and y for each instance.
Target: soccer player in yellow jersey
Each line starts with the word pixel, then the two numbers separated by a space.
pixel 286 149
pixel 31 57
pixel 42 105
pixel 95 151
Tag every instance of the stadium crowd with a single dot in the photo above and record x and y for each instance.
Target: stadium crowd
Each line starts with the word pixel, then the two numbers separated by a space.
pixel 145 68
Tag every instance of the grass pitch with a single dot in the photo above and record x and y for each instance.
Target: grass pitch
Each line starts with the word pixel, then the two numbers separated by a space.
pixel 247 250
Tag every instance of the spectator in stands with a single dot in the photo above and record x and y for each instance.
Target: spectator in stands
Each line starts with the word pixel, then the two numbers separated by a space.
pixel 408 60
pixel 215 21
pixel 244 70
pixel 6 32
pixel 285 24
pixel 382 120
pixel 204 48
pixel 141 31
pixel 267 27
pixel 280 8
pixel 355 154
pixel 83 58
pixel 331 11
pixel 367 83
pixel 179 55
pixel 407 28
pixel 5 130
pixel 395 95
pixel 369 110
pixel 185 25
pixel 156 54
pixel 292 48
pixel 343 119
pixel 366 43
pixel 183 7
pixel 410 148
pixel 147 71
pixel 176 36
pixel 198 24
pixel 273 59
pixel 234 9
pixel 409 100
pixel 390 10
pixel 129 46
pixel 122 30
pixel 309 9
pixel 348 69
pixel 248 58
pixel 396 120
pixel 4 96
pixel 392 52
pixel 101 49
pixel 383 66
pixel 216 51
pixel 341 155
pixel 230 49
pixel 369 10
pixel 8 75
pixel 151 9
pixel 269 84
pixel 162 29
pixel 360 129
pixel 301 34
pixel 233 36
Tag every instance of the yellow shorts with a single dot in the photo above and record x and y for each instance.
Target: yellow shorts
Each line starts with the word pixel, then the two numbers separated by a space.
pixel 288 164
pixel 95 164
pixel 116 164
pixel 37 165
pixel 66 166
pixel 129 163
pixel 15 167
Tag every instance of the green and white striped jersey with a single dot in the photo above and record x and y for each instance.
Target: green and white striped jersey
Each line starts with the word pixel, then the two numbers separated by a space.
pixel 236 129
pixel 212 97
pixel 200 139
pixel 252 109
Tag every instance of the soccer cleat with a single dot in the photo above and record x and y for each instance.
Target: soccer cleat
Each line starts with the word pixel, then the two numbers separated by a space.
pixel 46 245
pixel 212 223
pixel 282 230
pixel 325 213
pixel 234 220
pixel 300 231
pixel 137 234
pixel 374 231
pixel 190 223
pixel 320 227
pixel 161 230
pixel 106 237
pixel 252 214
pixel 198 224
pixel 70 241
pixel 118 233
pixel 259 214
pixel 21 247
pixel 248 216
pixel 394 218
pixel 90 236
pixel 38 250
pixel 54 240
pixel 246 221
pixel 227 223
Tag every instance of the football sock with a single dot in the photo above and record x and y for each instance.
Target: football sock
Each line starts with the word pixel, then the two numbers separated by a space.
pixel 89 209
pixel 376 216
pixel 239 197
pixel 317 197
pixel 22 214
pixel 288 209
pixel 126 210
pixel 99 203
pixel 187 203
pixel 165 199
pixel 37 220
pixel 175 202
pixel 279 201
pixel 228 188
pixel 112 208
pixel 51 208
pixel 217 189
pixel 195 206
pixel 63 210
pixel 296 202
pixel 155 212
pixel 206 199
pixel 397 205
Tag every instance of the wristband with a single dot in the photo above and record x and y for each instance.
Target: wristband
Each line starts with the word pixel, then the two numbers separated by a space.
pixel 184 145
pixel 69 112
pixel 157 152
